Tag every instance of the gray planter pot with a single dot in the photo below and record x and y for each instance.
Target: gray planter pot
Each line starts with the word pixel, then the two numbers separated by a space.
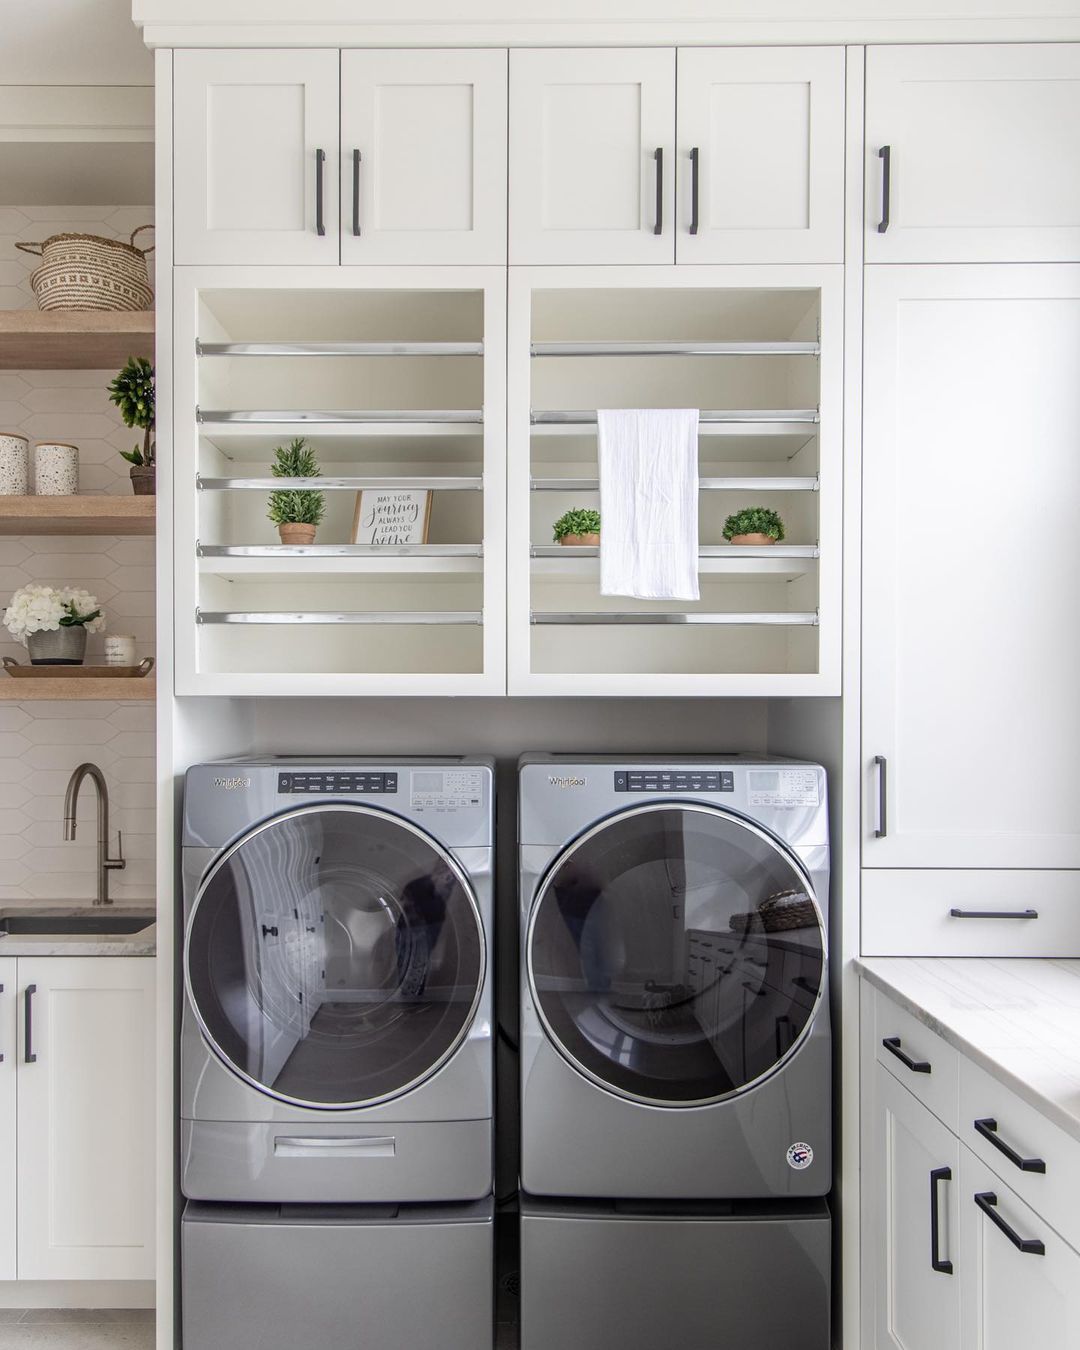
pixel 143 480
pixel 57 647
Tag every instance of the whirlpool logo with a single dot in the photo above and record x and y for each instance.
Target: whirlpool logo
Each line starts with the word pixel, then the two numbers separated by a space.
pixel 557 782
pixel 230 784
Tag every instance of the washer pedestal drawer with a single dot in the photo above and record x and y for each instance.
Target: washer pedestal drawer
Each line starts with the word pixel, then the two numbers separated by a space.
pixel 611 1275
pixel 278 1277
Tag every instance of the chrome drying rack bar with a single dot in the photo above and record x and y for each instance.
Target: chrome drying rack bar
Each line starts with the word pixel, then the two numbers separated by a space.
pixel 809 484
pixel 447 618
pixel 585 417
pixel 577 618
pixel 357 416
pixel 339 348
pixel 335 484
pixel 675 349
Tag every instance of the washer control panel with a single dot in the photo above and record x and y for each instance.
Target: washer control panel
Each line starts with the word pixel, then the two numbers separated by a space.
pixel 339 783
pixel 662 780
pixel 439 790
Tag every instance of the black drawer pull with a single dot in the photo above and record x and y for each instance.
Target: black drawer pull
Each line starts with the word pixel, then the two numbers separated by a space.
pixel 892 1044
pixel 885 155
pixel 695 156
pixel 993 913
pixel 28 1024
pixel 269 932
pixel 883 796
pixel 320 160
pixel 987 1127
pixel 356 193
pixel 943 1267
pixel 658 228
pixel 986 1200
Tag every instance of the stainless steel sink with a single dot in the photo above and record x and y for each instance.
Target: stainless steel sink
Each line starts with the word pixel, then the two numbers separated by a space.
pixel 52 923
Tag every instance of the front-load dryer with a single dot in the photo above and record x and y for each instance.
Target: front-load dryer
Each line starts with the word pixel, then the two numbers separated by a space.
pixel 675 1038
pixel 336 1030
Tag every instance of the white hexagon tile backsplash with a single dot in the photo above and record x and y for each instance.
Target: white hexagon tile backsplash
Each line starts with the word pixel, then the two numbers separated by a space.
pixel 40 743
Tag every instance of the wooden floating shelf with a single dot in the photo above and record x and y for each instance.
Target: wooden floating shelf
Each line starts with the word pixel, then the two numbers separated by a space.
pixel 73 339
pixel 77 515
pixel 103 688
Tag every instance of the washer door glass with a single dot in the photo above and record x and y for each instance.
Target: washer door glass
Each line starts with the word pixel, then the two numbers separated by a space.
pixel 335 956
pixel 676 954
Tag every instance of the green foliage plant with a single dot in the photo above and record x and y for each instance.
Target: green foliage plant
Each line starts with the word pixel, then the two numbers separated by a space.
pixel 577 522
pixel 296 506
pixel 132 390
pixel 754 520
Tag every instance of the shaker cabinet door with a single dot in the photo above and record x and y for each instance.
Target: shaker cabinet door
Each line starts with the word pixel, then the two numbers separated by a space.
pixel 423 157
pixel 970 645
pixel 761 155
pixel 971 153
pixel 591 156
pixel 9 1060
pixel 255 156
pixel 86 1118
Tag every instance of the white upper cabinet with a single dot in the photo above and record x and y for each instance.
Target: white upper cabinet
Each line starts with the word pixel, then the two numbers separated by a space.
pixel 760 155
pixel 255 156
pixel 423 157
pixel 8 1127
pixel 971 569
pixel 592 173
pixel 972 153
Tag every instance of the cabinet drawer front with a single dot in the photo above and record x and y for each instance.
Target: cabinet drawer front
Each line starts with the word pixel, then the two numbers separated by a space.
pixel 910 912
pixel 1025 1141
pixel 917 1057
pixel 981 139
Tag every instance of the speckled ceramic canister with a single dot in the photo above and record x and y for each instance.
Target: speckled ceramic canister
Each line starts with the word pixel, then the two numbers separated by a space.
pixel 14 464
pixel 56 469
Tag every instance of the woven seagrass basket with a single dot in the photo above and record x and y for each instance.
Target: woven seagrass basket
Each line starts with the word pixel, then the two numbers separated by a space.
pixel 87 271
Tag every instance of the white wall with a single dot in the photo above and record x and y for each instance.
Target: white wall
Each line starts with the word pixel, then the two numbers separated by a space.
pixel 71 42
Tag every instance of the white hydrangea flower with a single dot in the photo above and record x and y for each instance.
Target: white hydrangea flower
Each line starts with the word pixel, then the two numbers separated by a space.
pixel 39 609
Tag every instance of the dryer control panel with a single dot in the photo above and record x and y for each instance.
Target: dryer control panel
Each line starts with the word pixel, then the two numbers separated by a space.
pixel 338 784
pixel 663 780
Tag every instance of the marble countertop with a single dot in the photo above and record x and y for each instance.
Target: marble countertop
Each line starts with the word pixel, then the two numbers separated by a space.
pixel 1018 1019
pixel 142 943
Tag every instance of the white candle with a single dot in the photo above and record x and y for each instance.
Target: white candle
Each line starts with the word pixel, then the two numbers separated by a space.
pixel 56 469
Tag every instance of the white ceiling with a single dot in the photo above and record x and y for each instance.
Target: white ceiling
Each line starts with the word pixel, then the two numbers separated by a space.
pixel 71 42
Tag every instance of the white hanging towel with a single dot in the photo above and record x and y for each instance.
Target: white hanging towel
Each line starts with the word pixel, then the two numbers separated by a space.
pixel 649 502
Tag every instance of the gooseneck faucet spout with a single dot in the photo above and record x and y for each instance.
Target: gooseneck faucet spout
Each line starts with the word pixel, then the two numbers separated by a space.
pixel 105 864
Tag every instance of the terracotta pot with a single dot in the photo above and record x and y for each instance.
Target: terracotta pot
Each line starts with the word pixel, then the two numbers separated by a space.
pixel 144 480
pixel 57 646
pixel 575 540
pixel 292 532
pixel 753 540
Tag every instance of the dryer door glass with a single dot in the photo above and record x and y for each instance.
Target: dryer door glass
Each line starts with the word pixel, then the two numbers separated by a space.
pixel 335 956
pixel 676 954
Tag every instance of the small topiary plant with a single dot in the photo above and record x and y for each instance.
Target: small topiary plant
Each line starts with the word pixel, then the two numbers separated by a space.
pixel 577 523
pixel 754 520
pixel 132 390
pixel 296 506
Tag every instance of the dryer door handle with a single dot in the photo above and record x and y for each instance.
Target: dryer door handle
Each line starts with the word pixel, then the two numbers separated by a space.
pixel 325 1146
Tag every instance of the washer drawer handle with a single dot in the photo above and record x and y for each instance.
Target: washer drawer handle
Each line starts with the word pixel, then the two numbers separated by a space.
pixel 987 1127
pixel 892 1044
pixel 373 1146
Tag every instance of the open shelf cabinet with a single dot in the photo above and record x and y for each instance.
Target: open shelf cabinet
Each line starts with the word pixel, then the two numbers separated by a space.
pixel 93 690
pixel 397 383
pixel 758 350
pixel 84 514
pixel 31 339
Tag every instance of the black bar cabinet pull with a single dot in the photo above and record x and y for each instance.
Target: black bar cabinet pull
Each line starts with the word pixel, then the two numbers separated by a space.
pixel 987 1200
pixel 28 1023
pixel 356 192
pixel 938 1175
pixel 892 1044
pixel 885 155
pixel 695 156
pixel 320 160
pixel 993 913
pixel 987 1127
pixel 269 932
pixel 882 765
pixel 658 228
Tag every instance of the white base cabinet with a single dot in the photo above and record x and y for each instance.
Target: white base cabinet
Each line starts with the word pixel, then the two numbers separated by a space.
pixel 82 1100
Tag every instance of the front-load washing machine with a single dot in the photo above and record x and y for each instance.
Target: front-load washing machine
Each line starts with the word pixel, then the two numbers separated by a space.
pixel 675 1040
pixel 336 1030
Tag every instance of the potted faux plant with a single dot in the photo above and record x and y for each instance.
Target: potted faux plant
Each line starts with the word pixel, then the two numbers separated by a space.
pixel 578 527
pixel 296 512
pixel 754 525
pixel 52 623
pixel 133 393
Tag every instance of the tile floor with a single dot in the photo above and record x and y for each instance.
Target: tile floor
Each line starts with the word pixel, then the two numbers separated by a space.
pixel 76 1328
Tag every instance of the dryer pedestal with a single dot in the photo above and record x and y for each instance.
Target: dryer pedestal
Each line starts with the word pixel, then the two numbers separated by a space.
pixel 278 1277
pixel 611 1275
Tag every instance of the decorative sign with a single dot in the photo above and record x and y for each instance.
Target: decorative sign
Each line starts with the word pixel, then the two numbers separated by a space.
pixel 384 517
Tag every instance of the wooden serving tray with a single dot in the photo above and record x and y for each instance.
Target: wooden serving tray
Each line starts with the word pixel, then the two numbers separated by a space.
pixel 22 672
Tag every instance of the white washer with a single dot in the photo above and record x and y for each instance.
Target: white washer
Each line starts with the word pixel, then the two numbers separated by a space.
pixel 336 1031
pixel 675 1039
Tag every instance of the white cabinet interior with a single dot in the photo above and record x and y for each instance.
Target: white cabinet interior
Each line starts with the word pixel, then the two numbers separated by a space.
pixel 969 153
pixel 423 156
pixel 255 156
pixel 395 379
pixel 85 1089
pixel 757 350
pixel 760 155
